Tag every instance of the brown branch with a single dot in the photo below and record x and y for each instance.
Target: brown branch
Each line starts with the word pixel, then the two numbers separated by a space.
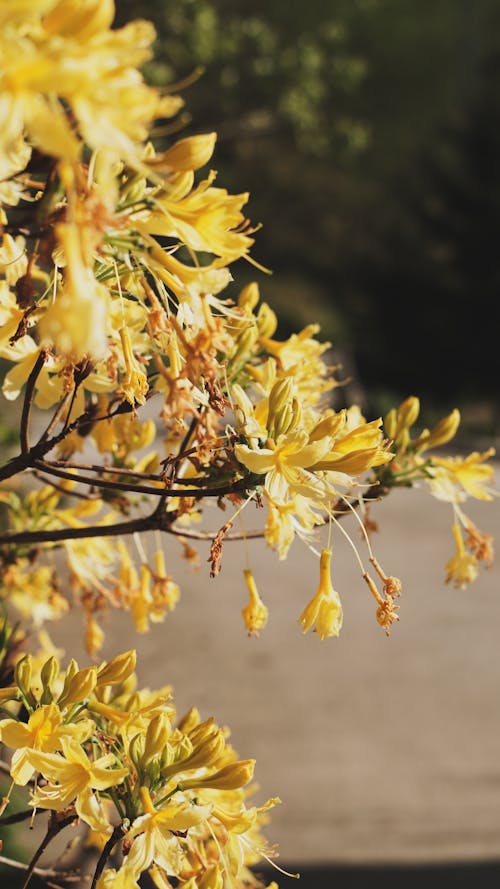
pixel 46 873
pixel 106 852
pixel 57 823
pixel 106 469
pixel 16 817
pixel 28 401
pixel 68 493
pixel 196 493
pixel 56 535
pixel 57 415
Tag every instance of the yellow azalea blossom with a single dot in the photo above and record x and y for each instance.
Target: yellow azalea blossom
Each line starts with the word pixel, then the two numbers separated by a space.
pixel 134 385
pixel 456 478
pixel 34 593
pixel 117 879
pixel 255 614
pixel 205 219
pixel 325 609
pixel 10 315
pixel 72 778
pixel 462 569
pixel 43 731
pixel 13 258
pixel 65 55
pixel 153 837
pixel 77 320
pixel 285 520
pixel 285 464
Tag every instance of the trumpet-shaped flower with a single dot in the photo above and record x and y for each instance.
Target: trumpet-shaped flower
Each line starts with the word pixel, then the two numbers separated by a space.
pixel 44 731
pixel 456 478
pixel 463 567
pixel 285 464
pixel 72 778
pixel 153 836
pixel 325 608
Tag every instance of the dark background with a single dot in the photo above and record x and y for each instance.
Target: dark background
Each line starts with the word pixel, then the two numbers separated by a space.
pixel 367 132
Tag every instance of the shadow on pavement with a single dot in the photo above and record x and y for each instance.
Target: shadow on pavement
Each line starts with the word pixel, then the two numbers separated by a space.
pixel 447 876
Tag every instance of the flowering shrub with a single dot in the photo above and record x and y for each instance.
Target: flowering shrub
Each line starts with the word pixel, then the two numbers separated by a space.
pixel 163 397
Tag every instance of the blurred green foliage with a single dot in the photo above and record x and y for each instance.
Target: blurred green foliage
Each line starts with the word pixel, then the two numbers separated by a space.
pixel 367 134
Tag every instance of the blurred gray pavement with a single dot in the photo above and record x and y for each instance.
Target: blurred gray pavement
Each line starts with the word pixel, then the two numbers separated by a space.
pixel 383 750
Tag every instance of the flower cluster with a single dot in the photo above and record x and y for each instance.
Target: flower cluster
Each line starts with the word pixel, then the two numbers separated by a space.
pixel 153 395
pixel 160 794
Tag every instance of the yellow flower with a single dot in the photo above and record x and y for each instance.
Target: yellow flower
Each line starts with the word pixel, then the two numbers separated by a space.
pixel 44 731
pixel 134 385
pixel 455 478
pixel 205 219
pixel 76 322
pixel 154 840
pixel 255 614
pixel 72 777
pixel 117 879
pixel 285 465
pixel 462 568
pixel 325 609
pixel 66 55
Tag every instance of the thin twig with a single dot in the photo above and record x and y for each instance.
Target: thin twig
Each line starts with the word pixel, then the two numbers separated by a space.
pixel 16 817
pixel 106 852
pixel 48 481
pixel 28 401
pixel 46 873
pixel 196 493
pixel 106 469
pixel 57 415
pixel 55 826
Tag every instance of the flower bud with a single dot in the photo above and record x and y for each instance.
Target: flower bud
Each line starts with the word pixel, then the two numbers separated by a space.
pixel 48 675
pixel 189 720
pixel 205 755
pixel 188 154
pixel 79 687
pixel 22 674
pixel 267 321
pixel 157 734
pixel 136 750
pixel 117 670
pixel 249 297
pixel 443 431
pixel 390 423
pixel 407 413
pixel 230 777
